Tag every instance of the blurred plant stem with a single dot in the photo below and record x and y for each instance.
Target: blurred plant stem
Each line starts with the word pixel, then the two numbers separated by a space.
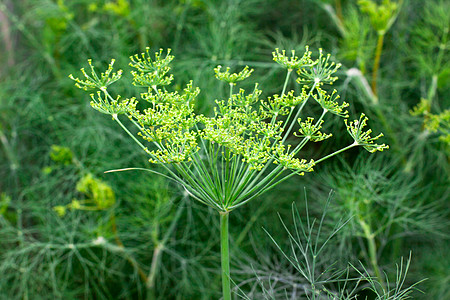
pixel 249 224
pixel 336 16
pixel 376 64
pixel 16 182
pixel 119 243
pixel 225 255
pixel 339 10
pixel 150 284
pixel 52 63
pixel 158 251
pixel 434 78
pixel 10 153
pixel 370 237
pixel 7 40
pixel 361 82
pixel 180 25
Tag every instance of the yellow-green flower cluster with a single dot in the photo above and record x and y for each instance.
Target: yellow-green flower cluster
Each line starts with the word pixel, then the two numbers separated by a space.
pixel 381 16
pixel 287 159
pixel 320 73
pixel 102 101
pixel 240 128
pixel 149 72
pixel 169 124
pixel 280 105
pixel 94 81
pixel 311 131
pixel 232 78
pixel 105 104
pixel 99 196
pixel 221 160
pixel 176 147
pixel 62 155
pixel 363 138
pixel 293 62
pixel 329 103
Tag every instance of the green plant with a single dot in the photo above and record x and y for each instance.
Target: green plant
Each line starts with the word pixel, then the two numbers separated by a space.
pixel 242 151
pixel 429 45
pixel 43 39
pixel 384 206
pixel 315 275
pixel 381 16
pixel 335 13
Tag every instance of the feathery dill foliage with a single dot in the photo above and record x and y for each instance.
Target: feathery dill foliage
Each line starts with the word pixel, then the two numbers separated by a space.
pixel 429 47
pixel 317 275
pixel 240 152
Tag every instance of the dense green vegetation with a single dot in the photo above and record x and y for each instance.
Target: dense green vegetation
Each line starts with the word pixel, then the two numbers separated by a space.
pixel 70 231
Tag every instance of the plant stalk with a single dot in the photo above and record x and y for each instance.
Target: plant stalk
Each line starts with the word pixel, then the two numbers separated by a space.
pixel 128 256
pixel 368 234
pixel 339 10
pixel 157 253
pixel 286 82
pixel 335 18
pixel 150 284
pixel 376 64
pixel 225 255
pixel 129 133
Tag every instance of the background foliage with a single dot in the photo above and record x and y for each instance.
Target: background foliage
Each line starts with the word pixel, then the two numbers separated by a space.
pixel 69 231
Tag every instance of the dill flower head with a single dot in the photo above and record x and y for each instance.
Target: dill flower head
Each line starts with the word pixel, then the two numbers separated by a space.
pixel 248 145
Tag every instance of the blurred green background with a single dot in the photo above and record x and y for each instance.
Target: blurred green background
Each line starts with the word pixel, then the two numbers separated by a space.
pixel 69 231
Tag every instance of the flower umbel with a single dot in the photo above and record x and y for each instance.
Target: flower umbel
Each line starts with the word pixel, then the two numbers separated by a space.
pixel 320 73
pixel 151 73
pixel 223 159
pixel 97 82
pixel 311 131
pixel 232 78
pixel 329 103
pixel 363 138
pixel 293 62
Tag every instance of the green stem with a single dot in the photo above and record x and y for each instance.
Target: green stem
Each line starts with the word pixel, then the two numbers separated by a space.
pixel 373 252
pixel 249 225
pixel 10 153
pixel 225 256
pixel 157 252
pixel 286 82
pixel 432 90
pixel 335 18
pixel 376 64
pixel 339 10
pixel 335 153
pixel 292 123
pixel 150 284
pixel 129 133
pixel 270 181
